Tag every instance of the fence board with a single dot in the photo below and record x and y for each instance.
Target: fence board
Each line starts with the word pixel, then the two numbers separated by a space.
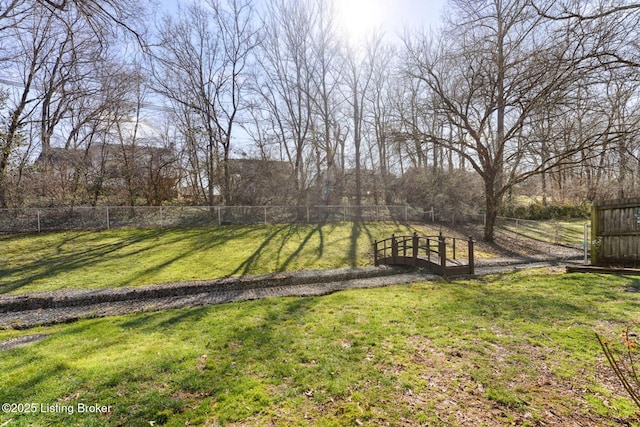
pixel 616 225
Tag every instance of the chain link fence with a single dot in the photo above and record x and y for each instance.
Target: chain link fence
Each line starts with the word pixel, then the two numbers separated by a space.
pixel 112 217
pixel 573 233
pixel 569 233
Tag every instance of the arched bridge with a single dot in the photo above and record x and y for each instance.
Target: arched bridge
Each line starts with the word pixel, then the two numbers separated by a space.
pixel 438 254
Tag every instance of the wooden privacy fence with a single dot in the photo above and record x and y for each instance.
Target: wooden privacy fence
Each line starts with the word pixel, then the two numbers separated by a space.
pixel 615 230
pixel 430 252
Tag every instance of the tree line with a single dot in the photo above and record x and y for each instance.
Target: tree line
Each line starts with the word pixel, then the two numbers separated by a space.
pixel 236 102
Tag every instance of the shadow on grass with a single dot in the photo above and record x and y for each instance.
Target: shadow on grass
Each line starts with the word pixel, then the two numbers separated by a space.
pixel 208 240
pixel 571 299
pixel 160 320
pixel 357 228
pixel 296 253
pixel 60 261
pixel 133 257
pixel 252 261
pixel 264 347
pixel 634 286
pixel 286 234
pixel 290 233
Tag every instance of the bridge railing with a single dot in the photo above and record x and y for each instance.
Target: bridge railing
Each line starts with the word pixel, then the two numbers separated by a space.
pixel 433 252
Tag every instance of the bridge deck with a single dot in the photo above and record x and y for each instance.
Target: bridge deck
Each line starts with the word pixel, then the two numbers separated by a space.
pixel 424 252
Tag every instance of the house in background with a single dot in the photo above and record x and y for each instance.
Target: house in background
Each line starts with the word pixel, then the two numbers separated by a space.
pixel 121 174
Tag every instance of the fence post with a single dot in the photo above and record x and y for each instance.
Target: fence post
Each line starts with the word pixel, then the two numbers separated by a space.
pixel 108 220
pixel 586 243
pixel 265 214
pixel 471 260
pixel 307 214
pixel 219 217
pixel 405 213
pixel 39 227
pixel 433 215
pixel 161 218
pixel 595 235
pixel 415 242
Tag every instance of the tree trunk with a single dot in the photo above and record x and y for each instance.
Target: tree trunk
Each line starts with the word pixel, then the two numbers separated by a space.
pixel 357 123
pixel 493 203
pixel 226 146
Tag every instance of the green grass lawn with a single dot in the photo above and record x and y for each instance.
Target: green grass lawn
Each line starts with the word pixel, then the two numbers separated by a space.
pixel 513 349
pixel 563 232
pixel 116 258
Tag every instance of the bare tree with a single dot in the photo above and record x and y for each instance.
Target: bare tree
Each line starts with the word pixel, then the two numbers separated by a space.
pixel 383 63
pixel 286 86
pixel 202 63
pixel 500 65
pixel 358 82
pixel 326 75
pixel 606 30
pixel 31 38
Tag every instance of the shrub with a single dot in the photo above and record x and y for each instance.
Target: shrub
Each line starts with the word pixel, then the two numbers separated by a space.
pixel 624 360
pixel 540 212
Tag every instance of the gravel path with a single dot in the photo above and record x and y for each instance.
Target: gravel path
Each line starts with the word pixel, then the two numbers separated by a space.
pixel 46 308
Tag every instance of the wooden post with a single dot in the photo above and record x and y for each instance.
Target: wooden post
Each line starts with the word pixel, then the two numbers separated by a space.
pixel 415 242
pixel 454 248
pixel 595 235
pixel 442 248
pixel 375 253
pixel 585 241
pixel 394 249
pixel 471 260
pixel 428 249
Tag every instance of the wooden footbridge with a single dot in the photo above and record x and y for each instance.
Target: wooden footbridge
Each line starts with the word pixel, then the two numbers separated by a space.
pixel 433 253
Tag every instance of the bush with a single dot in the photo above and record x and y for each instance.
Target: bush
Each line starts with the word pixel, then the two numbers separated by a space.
pixel 540 212
pixel 625 361
pixel 430 187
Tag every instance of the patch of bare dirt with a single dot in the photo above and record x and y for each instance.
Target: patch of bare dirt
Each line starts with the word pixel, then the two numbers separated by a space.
pixel 21 341
pixel 537 396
